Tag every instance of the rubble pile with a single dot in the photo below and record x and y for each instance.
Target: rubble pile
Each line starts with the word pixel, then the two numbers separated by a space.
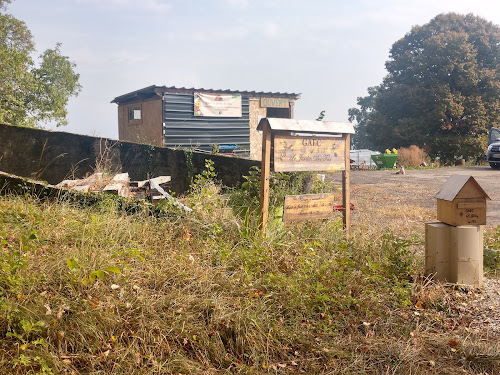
pixel 121 185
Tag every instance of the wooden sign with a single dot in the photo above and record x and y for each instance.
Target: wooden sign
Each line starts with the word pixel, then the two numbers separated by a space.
pixel 310 153
pixel 274 103
pixel 307 207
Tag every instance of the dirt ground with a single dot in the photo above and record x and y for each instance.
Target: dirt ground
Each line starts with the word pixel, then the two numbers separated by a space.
pixel 403 203
pixel 420 185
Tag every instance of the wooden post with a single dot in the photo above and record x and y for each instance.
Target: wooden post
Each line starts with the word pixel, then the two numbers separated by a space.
pixel 264 178
pixel 346 187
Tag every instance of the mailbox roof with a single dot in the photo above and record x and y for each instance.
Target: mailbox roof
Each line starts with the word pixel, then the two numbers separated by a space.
pixel 309 126
pixel 454 185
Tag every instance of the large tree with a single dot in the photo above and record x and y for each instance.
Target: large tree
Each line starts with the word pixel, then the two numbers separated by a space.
pixel 30 93
pixel 442 90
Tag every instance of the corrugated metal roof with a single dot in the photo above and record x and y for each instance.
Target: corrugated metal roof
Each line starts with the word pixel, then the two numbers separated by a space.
pixel 154 90
pixel 310 126
pixel 455 183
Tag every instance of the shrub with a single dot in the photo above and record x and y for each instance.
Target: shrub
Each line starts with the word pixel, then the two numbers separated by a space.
pixel 412 156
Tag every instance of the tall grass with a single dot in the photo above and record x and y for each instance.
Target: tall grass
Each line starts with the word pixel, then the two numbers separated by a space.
pixel 97 291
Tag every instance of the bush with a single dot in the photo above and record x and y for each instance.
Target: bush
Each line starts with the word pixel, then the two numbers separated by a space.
pixel 412 156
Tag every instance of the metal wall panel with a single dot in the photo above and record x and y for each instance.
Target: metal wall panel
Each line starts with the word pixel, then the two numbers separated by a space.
pixel 183 130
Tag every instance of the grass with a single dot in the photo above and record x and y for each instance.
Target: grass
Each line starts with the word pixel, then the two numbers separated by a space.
pixel 93 290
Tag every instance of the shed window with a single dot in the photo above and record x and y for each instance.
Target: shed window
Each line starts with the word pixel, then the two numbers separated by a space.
pixel 134 114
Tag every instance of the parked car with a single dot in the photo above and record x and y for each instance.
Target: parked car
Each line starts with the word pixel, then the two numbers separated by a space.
pixel 493 152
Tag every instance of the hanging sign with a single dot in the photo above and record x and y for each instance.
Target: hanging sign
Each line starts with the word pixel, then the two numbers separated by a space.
pixel 307 207
pixel 309 153
pixel 214 105
pixel 274 103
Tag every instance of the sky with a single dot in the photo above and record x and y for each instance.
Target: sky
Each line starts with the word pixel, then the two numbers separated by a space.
pixel 329 51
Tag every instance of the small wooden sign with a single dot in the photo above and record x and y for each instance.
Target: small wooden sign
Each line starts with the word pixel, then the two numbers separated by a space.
pixel 307 207
pixel 274 103
pixel 309 153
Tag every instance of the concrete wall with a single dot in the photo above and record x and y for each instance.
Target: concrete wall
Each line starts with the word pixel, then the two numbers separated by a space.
pixel 149 129
pixel 55 156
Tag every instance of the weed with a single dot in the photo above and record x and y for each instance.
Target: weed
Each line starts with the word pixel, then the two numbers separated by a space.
pixel 204 293
pixel 13 259
pixel 88 279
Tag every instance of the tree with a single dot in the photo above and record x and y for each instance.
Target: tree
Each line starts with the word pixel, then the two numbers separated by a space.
pixel 442 90
pixel 30 94
pixel 361 116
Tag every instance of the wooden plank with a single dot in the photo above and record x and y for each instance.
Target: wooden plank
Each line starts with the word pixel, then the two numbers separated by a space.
pixel 264 178
pixel 308 153
pixel 121 177
pixel 346 187
pixel 462 211
pixel 445 211
pixel 471 190
pixel 471 205
pixel 470 215
pixel 161 179
pixel 307 207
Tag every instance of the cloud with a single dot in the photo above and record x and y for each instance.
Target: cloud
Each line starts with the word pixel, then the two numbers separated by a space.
pixel 270 29
pixel 138 5
pixel 241 4
pixel 210 35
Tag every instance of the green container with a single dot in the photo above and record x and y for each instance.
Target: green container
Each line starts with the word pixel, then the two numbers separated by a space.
pixel 385 160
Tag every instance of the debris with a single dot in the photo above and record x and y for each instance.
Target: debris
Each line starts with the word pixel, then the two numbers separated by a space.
pixel 157 193
pixel 121 185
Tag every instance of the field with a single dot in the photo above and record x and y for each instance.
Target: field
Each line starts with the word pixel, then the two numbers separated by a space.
pixel 92 289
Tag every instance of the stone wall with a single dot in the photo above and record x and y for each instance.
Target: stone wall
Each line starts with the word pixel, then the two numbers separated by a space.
pixel 55 156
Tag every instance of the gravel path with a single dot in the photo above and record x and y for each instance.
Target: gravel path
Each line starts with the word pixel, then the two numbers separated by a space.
pixel 488 178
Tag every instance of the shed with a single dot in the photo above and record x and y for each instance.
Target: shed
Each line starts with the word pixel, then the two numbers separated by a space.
pixel 200 119
pixel 462 201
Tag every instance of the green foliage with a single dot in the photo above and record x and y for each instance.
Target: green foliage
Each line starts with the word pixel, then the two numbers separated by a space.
pixel 88 279
pixel 361 117
pixel 491 253
pixel 441 92
pixel 208 174
pixel 13 259
pixel 32 94
pixel 27 334
pixel 206 293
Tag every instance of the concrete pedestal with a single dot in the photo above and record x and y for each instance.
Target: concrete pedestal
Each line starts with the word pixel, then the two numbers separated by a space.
pixel 437 250
pixel 454 253
pixel 466 255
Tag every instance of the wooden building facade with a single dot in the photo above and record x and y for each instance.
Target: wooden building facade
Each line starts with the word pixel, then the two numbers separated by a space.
pixel 201 119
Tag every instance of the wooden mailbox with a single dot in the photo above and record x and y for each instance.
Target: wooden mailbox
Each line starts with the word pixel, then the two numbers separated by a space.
pixel 290 145
pixel 461 201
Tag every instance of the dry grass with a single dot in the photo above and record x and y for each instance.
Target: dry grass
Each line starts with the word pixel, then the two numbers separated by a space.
pixel 205 293
pixel 412 156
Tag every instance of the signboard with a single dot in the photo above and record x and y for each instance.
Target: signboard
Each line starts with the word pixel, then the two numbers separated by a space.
pixel 310 153
pixel 274 103
pixel 214 105
pixel 307 207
